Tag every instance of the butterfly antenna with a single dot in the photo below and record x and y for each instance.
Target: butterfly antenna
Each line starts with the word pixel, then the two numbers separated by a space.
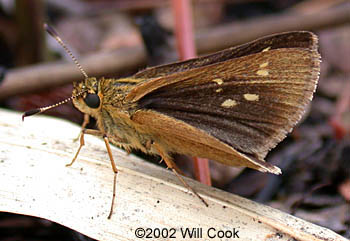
pixel 42 109
pixel 54 34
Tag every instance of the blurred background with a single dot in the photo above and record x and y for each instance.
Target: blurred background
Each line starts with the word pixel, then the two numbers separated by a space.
pixel 116 38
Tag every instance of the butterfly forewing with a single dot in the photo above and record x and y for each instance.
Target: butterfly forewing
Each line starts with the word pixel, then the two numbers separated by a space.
pixel 249 102
pixel 299 39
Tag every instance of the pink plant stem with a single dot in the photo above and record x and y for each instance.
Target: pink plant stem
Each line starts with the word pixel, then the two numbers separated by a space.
pixel 186 48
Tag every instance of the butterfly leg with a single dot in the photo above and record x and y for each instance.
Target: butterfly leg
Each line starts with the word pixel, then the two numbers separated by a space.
pixel 148 145
pixel 85 123
pixel 115 170
pixel 82 141
pixel 109 151
pixel 174 168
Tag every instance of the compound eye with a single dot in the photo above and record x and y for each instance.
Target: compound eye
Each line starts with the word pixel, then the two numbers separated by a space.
pixel 92 100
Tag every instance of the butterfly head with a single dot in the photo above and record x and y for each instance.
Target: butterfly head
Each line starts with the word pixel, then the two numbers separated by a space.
pixel 88 99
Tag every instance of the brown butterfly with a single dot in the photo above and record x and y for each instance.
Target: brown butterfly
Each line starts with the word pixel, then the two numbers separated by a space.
pixel 232 106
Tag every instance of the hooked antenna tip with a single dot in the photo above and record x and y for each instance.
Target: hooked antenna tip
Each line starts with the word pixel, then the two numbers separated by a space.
pixel 30 112
pixel 50 30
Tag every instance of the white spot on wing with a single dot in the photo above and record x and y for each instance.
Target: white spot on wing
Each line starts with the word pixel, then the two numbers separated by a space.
pixel 251 97
pixel 262 72
pixel 218 81
pixel 228 103
pixel 267 49
pixel 264 65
